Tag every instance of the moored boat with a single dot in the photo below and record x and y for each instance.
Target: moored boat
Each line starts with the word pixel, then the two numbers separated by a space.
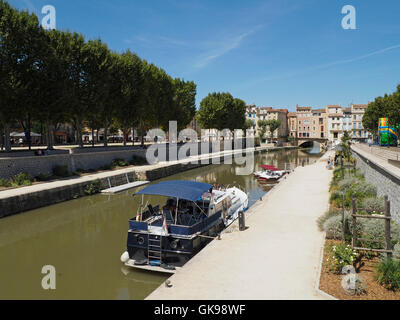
pixel 269 173
pixel 164 239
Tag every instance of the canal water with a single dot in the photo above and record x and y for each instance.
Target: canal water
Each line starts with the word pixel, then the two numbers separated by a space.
pixel 84 239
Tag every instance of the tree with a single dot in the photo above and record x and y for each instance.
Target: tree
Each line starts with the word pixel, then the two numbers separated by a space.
pixel 262 124
pixel 249 124
pixel 20 43
pixel 184 100
pixel 372 114
pixel 387 106
pixel 51 81
pixel 221 111
pixel 345 145
pixel 77 93
pixel 131 92
pixel 273 125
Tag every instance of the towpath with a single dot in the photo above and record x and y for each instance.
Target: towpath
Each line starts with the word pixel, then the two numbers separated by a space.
pixel 277 257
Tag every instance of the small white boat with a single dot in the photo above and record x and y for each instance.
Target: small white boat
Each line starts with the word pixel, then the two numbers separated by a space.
pixel 270 171
pixel 270 176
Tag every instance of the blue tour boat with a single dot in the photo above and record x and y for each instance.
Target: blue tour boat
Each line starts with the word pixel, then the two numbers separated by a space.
pixel 165 238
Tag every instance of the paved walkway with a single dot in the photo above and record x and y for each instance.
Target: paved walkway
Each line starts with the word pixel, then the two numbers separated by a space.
pixel 278 257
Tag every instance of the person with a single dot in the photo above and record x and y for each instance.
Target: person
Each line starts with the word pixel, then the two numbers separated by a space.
pixel 21 142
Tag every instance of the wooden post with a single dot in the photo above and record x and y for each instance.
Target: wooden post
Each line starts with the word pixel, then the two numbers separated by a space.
pixel 355 168
pixel 343 225
pixel 387 227
pixel 354 241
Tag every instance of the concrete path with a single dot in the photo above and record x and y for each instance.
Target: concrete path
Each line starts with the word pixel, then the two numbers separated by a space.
pixel 277 257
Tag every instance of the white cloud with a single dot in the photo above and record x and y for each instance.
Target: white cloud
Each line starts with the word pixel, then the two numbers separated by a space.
pixel 226 45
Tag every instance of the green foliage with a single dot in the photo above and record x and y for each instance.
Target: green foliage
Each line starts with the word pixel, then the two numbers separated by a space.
pixel 327 215
pixel 222 111
pixel 273 125
pixel 396 251
pixel 21 179
pixel 341 255
pixel 119 163
pixel 333 226
pixel 362 190
pixel 138 161
pixel 44 177
pixel 4 183
pixel 388 274
pixel 373 205
pixel 346 184
pixel 262 124
pixel 61 171
pixel 93 188
pixel 386 106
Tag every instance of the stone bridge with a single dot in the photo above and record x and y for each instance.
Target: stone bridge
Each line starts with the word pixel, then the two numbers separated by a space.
pixel 310 142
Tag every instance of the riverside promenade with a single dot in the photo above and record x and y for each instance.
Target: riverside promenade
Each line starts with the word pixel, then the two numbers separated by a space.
pixel 277 257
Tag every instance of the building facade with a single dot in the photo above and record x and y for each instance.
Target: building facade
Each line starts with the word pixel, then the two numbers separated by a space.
pixel 292 124
pixel 255 114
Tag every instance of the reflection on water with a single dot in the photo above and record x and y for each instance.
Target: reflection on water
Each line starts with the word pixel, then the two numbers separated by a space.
pixel 84 239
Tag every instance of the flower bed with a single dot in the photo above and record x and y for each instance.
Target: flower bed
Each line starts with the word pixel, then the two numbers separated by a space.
pixel 331 282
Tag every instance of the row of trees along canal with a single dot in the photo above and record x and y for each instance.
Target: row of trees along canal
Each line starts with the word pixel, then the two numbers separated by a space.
pixel 387 106
pixel 50 77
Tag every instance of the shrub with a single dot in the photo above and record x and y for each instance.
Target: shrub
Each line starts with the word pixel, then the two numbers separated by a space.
pixel 373 229
pixel 93 188
pixel 396 252
pixel 388 274
pixel 61 171
pixel 105 167
pixel 333 226
pixel 336 198
pixel 328 214
pixel 44 177
pixel 21 179
pixel 347 183
pixel 138 161
pixel 372 205
pixel 119 163
pixel 342 255
pixel 4 183
pixel 363 189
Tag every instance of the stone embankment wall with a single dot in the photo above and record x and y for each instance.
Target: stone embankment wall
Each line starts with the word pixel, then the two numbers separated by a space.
pixel 386 183
pixel 36 165
pixel 29 201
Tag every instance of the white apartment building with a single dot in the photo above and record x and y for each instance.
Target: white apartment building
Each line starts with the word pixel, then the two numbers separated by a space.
pixel 334 115
pixel 358 131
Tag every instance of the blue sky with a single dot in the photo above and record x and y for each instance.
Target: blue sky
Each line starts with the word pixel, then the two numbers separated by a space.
pixel 277 53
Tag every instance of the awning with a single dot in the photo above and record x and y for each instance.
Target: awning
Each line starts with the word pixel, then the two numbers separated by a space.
pixel 187 190
pixel 271 168
pixel 22 134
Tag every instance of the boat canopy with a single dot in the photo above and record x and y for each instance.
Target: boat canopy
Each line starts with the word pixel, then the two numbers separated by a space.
pixel 271 168
pixel 186 190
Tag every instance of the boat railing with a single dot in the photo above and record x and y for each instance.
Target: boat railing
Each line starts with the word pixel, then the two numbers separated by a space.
pixel 178 229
